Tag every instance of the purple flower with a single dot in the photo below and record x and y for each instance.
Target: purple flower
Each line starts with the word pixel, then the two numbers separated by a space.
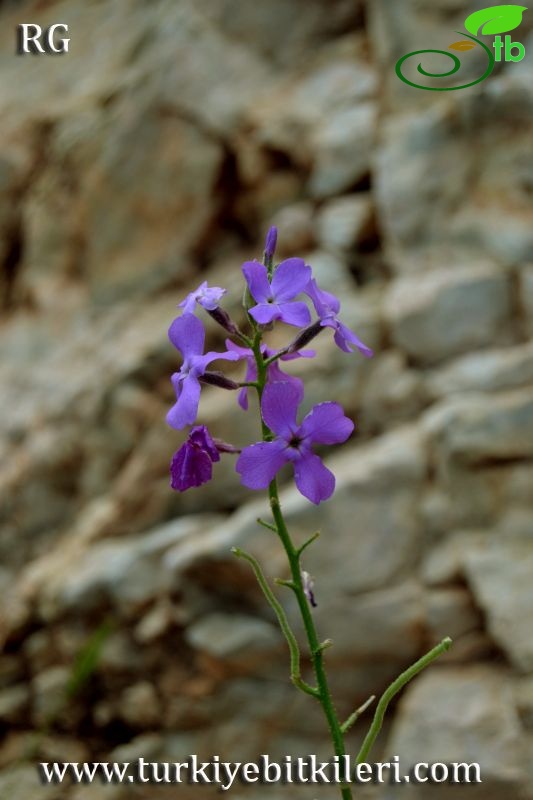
pixel 187 334
pixel 274 298
pixel 327 307
pixel 273 371
pixel 325 424
pixel 205 296
pixel 270 243
pixel 192 464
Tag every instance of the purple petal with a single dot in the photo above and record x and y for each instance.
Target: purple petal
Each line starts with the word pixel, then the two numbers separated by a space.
pixel 200 363
pixel 265 313
pixel 298 354
pixel 290 278
pixel 313 479
pixel 344 337
pixel 259 463
pixel 189 467
pixel 326 424
pixel 242 398
pixel 187 333
pixel 279 407
pixel 257 279
pixel 210 296
pixel 185 410
pixel 294 314
pixel 324 302
pixel 201 438
pixel 276 375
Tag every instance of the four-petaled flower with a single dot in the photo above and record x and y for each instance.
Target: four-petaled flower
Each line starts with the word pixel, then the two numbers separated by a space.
pixel 325 424
pixel 327 307
pixel 275 299
pixel 187 334
pixel 206 296
pixel 192 464
pixel 274 373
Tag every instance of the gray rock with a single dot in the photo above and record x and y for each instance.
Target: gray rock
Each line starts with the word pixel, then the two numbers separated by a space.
pixel 14 702
pixel 126 572
pixel 344 222
pixel 500 577
pixel 464 715
pixel 343 146
pixel 526 289
pixel 235 638
pixel 486 371
pixel 477 428
pixel 139 705
pixel 443 313
pixel 296 229
pixel 50 696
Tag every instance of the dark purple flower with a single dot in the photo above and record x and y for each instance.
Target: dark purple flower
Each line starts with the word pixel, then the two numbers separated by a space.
pixel 187 334
pixel 271 242
pixel 327 307
pixel 273 371
pixel 192 464
pixel 275 300
pixel 325 424
pixel 205 296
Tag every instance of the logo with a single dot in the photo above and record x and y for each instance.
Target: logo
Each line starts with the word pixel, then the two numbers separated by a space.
pixel 488 21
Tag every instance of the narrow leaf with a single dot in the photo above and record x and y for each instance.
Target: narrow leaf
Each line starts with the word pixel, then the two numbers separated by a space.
pixel 496 19
pixel 462 46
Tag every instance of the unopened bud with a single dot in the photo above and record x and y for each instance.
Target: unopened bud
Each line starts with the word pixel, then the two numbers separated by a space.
pixel 223 319
pixel 304 337
pixel 271 242
pixel 218 379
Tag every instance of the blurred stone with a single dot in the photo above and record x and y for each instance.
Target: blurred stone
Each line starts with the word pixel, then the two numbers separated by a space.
pixel 451 612
pixel 296 229
pixel 500 577
pixel 22 781
pixel 139 705
pixel 464 715
pixel 235 639
pixel 343 146
pixel 486 371
pixel 443 313
pixel 477 428
pixel 14 703
pixel 526 290
pixel 344 222
pixel 50 694
pixel 126 572
pixel 392 391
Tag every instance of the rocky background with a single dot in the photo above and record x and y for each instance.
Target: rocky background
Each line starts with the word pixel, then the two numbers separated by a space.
pixel 155 155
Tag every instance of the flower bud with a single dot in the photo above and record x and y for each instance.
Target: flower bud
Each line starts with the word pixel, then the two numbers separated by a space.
pixel 270 243
pixel 223 319
pixel 218 379
pixel 304 337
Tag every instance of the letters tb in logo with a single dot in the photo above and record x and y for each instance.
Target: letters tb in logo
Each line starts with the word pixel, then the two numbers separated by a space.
pixel 33 39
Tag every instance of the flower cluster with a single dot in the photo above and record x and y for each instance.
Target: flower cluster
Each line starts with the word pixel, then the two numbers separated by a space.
pixel 273 294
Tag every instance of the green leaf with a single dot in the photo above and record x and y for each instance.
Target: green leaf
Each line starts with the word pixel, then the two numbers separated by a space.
pixel 496 19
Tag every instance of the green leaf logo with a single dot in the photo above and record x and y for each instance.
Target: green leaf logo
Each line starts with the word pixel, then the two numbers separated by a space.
pixel 496 19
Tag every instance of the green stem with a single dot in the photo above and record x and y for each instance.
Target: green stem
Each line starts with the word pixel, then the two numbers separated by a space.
pixel 294 650
pixel 393 690
pixel 293 554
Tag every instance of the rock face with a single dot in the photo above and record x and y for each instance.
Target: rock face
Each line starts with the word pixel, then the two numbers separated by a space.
pixel 154 156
